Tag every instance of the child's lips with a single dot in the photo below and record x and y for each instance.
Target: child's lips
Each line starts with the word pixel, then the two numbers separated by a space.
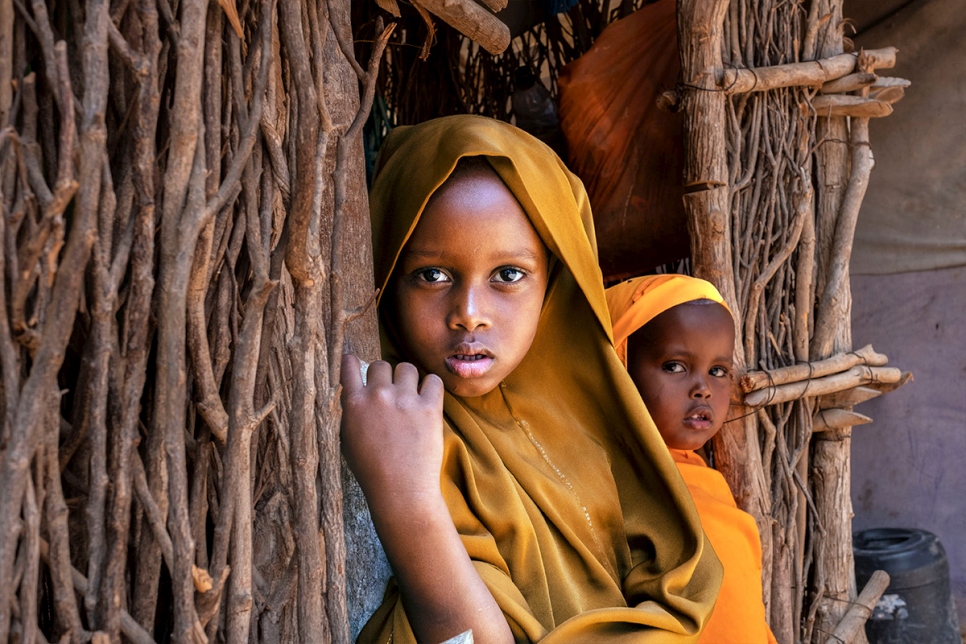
pixel 699 419
pixel 469 361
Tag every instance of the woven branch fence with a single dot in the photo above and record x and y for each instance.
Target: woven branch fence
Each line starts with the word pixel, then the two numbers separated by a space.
pixel 778 168
pixel 185 249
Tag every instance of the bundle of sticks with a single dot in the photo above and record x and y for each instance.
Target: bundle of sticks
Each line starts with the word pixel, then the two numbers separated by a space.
pixel 838 382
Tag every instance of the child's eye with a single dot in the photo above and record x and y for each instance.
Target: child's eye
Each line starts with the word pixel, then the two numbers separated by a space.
pixel 719 372
pixel 431 275
pixel 509 275
pixel 673 367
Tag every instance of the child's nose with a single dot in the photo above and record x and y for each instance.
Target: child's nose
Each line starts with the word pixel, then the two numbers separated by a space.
pixel 700 388
pixel 469 309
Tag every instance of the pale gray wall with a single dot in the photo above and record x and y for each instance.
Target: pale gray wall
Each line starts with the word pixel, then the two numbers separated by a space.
pixel 909 466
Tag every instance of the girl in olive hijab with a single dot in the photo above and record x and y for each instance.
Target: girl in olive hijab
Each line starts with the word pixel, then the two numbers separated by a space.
pixel 515 478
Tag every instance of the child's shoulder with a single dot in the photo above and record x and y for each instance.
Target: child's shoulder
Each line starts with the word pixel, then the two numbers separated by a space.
pixel 687 457
pixel 706 484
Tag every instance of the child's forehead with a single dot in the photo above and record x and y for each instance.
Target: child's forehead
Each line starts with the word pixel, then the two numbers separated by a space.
pixel 480 202
pixel 471 175
pixel 484 223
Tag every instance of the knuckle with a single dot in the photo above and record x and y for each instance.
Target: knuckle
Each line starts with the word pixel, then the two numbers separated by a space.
pixel 406 367
pixel 385 396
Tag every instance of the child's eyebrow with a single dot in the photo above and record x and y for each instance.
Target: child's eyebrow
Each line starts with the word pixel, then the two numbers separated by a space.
pixel 683 352
pixel 411 252
pixel 525 253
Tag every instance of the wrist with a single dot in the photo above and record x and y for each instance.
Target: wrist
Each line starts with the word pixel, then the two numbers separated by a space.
pixel 408 505
pixel 407 525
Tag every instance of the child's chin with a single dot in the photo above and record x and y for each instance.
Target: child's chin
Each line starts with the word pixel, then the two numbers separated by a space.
pixel 469 388
pixel 688 447
pixel 687 444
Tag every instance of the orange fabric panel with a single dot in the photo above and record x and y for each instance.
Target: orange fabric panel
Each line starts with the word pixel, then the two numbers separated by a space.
pixel 739 614
pixel 629 153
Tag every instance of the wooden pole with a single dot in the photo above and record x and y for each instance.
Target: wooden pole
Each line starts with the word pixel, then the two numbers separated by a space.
pixel 700 39
pixel 834 576
pixel 859 613
pixel 754 380
pixel 473 21
pixel 859 375
pixel 810 73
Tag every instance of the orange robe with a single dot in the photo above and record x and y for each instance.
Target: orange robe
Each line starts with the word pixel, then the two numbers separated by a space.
pixel 739 614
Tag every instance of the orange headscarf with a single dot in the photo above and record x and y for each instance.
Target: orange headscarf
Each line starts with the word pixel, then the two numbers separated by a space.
pixel 739 614
pixel 636 302
pixel 559 485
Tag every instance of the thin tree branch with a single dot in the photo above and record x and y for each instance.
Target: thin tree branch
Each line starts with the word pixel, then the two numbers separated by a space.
pixel 27 428
pixel 132 630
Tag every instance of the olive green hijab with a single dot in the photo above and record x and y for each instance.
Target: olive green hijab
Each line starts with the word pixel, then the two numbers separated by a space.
pixel 558 482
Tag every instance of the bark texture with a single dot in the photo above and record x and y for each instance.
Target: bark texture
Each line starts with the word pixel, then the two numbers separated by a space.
pixel 185 248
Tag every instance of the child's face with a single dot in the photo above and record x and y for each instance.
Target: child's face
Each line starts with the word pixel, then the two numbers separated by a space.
pixel 470 283
pixel 681 362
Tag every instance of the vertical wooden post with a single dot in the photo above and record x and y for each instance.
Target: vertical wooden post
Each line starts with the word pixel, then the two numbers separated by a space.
pixel 837 175
pixel 706 202
pixel 6 59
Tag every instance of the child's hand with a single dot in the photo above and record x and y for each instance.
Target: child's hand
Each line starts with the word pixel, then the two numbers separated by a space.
pixel 392 432
pixel 392 438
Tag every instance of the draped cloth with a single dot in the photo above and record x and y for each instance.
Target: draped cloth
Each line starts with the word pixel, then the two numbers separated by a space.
pixel 628 151
pixel 912 216
pixel 739 614
pixel 637 301
pixel 559 485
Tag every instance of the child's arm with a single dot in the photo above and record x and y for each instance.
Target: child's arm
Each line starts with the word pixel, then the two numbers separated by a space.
pixel 392 438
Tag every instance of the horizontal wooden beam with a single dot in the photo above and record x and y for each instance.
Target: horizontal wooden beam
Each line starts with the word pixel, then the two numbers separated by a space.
pixel 849 83
pixel 886 387
pixel 848 397
pixel 829 105
pixel 473 21
pixel 813 73
pixel 826 419
pixel 849 629
pixel 754 380
pixel 858 375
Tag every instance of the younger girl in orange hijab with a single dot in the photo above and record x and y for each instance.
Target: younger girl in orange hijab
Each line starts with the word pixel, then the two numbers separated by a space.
pixel 676 337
